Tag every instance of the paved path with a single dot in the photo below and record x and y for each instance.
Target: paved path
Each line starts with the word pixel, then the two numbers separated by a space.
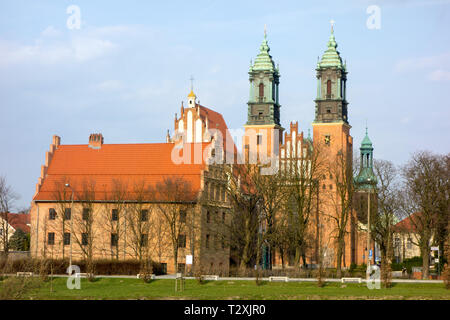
pixel 171 276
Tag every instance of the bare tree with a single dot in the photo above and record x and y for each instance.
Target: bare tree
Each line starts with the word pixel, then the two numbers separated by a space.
pixel 175 201
pixel 425 200
pixel 384 219
pixel 60 215
pixel 245 213
pixel 302 188
pixel 341 202
pixel 7 199
pixel 84 234
pixel 113 214
pixel 138 220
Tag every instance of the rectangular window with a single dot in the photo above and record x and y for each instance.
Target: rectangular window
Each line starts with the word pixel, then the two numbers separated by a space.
pixel 181 267
pixel 327 140
pixel 224 215
pixel 114 239
pixel 207 241
pixel 51 214
pixel 66 239
pixel 51 238
pixel 183 216
pixel 409 243
pixel 84 239
pixel 259 139
pixel 208 217
pixel 67 214
pixel 86 212
pixel 114 214
pixel 144 240
pixel 164 268
pixel 144 215
pixel 182 241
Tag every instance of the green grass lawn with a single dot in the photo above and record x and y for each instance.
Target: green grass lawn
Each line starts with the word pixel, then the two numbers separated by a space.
pixel 111 288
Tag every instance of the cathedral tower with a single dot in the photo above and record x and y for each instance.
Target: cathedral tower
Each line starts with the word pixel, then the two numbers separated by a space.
pixel 331 127
pixel 263 119
pixel 331 137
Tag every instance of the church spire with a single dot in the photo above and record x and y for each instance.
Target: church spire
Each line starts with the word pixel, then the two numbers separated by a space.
pixel 263 104
pixel 331 57
pixel 264 60
pixel 366 178
pixel 331 101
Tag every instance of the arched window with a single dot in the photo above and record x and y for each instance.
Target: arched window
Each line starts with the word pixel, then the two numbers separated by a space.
pixel 328 88
pixel 261 90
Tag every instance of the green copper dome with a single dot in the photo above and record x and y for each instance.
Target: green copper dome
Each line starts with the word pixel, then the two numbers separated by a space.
pixel 331 57
pixel 366 178
pixel 263 61
pixel 366 143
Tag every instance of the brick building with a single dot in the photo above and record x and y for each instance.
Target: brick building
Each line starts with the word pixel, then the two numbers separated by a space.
pixel 114 193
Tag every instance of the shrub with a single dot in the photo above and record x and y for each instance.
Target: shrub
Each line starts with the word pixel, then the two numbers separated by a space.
pixel 13 288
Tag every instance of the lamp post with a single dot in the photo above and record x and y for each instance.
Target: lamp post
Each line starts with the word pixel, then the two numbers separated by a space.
pixel 368 229
pixel 71 224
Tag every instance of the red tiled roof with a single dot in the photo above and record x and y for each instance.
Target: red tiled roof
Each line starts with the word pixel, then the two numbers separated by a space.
pixel 19 221
pixel 128 163
pixel 409 224
pixel 216 121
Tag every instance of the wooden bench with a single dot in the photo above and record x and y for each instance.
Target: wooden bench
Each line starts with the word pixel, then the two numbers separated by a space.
pixel 139 276
pixel 82 275
pixel 24 274
pixel 285 279
pixel 359 280
pixel 209 277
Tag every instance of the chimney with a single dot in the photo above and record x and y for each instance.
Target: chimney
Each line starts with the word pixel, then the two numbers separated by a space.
pixel 96 141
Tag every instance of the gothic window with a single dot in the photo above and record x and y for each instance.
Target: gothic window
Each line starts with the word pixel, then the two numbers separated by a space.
pixel 261 90
pixel 328 88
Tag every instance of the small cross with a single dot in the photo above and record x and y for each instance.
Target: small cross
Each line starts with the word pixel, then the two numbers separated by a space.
pixel 265 30
pixel 332 24
pixel 192 83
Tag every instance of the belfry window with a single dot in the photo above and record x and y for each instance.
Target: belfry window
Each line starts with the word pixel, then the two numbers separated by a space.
pixel 328 88
pixel 261 90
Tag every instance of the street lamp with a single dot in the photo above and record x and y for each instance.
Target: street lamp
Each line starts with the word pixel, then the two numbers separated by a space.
pixel 71 224
pixel 368 230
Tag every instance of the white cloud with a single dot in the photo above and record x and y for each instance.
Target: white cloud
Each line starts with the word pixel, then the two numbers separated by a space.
pixel 50 31
pixel 51 48
pixel 439 75
pixel 109 85
pixel 437 67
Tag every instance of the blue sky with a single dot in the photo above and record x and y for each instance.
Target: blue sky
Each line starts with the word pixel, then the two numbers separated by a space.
pixel 125 72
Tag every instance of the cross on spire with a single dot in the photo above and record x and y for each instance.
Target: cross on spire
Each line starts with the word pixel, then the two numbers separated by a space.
pixel 265 30
pixel 192 83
